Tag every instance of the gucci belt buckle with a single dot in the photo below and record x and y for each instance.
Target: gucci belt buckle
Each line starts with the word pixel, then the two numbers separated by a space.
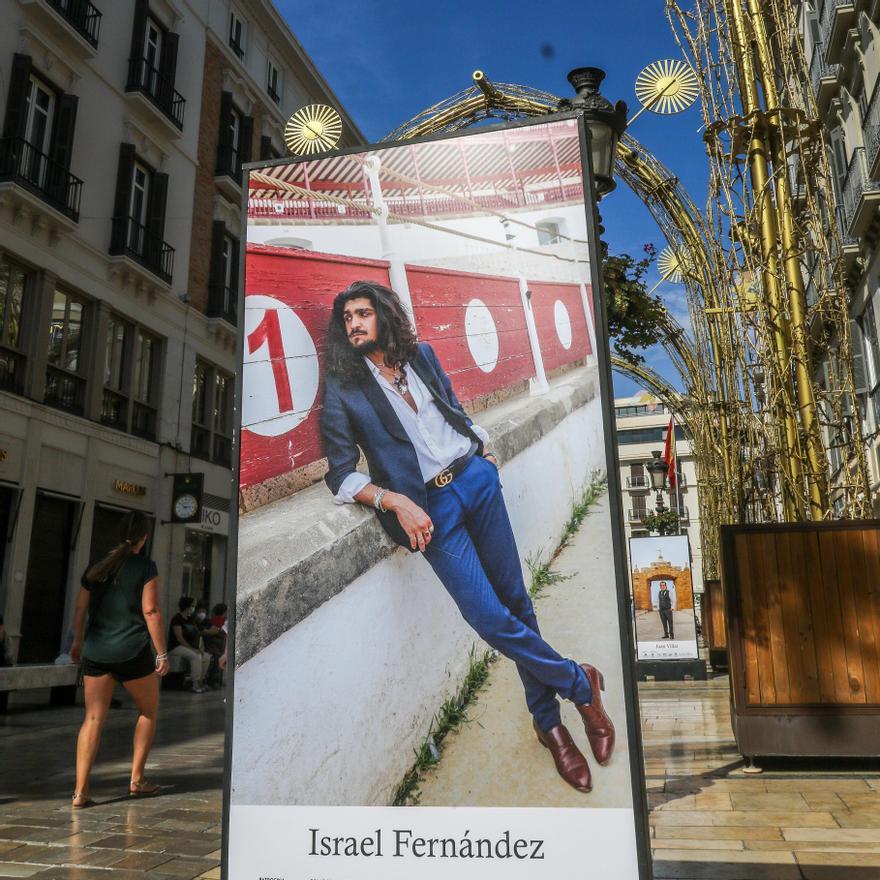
pixel 444 478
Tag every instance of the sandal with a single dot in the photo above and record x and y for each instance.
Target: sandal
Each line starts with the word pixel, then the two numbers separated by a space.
pixel 87 802
pixel 142 788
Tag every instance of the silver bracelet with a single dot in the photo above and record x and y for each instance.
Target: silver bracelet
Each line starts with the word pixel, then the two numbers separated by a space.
pixel 161 657
pixel 377 499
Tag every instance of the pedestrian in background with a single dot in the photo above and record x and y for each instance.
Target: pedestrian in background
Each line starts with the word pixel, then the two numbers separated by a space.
pixel 184 640
pixel 120 596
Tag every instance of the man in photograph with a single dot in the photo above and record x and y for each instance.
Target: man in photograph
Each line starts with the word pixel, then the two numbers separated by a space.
pixel 664 604
pixel 435 488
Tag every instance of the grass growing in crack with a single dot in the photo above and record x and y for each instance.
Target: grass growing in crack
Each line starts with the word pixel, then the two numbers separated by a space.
pixel 452 714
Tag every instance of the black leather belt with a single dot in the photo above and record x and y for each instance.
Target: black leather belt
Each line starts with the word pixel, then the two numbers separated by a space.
pixel 449 473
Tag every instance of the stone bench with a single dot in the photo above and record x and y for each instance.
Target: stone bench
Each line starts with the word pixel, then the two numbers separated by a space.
pixel 28 676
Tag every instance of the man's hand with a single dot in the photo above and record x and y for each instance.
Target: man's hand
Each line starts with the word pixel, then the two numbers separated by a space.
pixel 490 456
pixel 413 520
pixel 76 651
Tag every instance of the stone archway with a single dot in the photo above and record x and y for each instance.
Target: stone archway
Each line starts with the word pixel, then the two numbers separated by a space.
pixel 662 570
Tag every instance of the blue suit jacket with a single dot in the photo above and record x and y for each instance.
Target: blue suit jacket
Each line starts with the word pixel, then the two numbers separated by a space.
pixel 360 415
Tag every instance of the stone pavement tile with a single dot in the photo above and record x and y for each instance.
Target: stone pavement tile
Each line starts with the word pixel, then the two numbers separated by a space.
pixel 857 818
pixel 831 835
pixel 826 801
pixel 140 861
pixel 213 874
pixel 13 869
pixel 813 846
pixel 715 832
pixel 78 872
pixel 857 860
pixel 29 834
pixel 7 845
pixel 35 852
pixel 742 817
pixel 811 785
pixel 122 841
pixel 82 838
pixel 179 825
pixel 702 844
pixel 729 857
pixel 789 802
pixel 693 870
pixel 181 869
pixel 182 846
pixel 869 800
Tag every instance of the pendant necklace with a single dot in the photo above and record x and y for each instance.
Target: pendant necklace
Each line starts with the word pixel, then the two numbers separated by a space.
pixel 400 383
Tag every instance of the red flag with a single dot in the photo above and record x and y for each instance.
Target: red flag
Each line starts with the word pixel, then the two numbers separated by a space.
pixel 669 453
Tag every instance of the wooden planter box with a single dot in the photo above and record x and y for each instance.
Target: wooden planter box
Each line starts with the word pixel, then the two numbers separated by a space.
pixel 715 624
pixel 803 626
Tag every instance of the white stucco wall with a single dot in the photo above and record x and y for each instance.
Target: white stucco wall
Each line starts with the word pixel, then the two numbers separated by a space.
pixel 330 712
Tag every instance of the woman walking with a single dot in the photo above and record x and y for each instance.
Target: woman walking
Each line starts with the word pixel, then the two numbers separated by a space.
pixel 120 593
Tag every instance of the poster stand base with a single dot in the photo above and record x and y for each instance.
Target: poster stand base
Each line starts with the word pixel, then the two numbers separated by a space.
pixel 671 670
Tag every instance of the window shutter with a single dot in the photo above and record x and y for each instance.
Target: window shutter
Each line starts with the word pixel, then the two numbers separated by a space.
pixel 62 136
pixel 123 180
pixel 225 118
pixel 139 31
pixel 247 139
pixel 16 107
pixel 158 200
pixel 168 62
pixel 858 355
pixel 215 277
pixel 234 285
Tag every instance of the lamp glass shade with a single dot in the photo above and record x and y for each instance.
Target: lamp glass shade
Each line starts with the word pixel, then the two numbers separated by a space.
pixel 656 469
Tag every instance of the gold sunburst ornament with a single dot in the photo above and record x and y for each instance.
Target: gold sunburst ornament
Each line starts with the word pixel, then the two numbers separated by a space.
pixel 666 87
pixel 670 266
pixel 312 129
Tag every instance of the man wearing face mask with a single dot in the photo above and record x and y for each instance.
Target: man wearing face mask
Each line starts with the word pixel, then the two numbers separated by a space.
pixel 184 641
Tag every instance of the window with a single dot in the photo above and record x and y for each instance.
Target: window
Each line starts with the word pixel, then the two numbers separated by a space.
pixel 146 356
pixel 647 435
pixel 153 44
pixel 236 136
pixel 236 33
pixel 65 388
pixel 273 84
pixel 40 113
pixel 137 209
pixel 211 436
pixel 223 277
pixel 549 232
pixel 15 282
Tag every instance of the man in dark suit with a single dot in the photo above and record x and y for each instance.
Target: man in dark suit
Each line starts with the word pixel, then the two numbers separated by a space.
pixel 435 488
pixel 664 603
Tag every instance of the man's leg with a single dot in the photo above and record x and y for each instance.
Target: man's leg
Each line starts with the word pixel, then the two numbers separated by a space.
pixel 453 555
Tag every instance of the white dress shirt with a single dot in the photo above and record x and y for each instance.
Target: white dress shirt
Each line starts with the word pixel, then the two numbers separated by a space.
pixel 436 442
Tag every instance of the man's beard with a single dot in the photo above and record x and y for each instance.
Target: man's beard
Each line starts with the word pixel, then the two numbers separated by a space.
pixel 365 348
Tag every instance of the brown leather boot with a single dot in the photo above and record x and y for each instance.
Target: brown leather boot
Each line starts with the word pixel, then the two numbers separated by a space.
pixel 597 724
pixel 571 765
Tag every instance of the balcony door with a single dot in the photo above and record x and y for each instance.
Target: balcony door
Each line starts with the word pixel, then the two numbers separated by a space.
pixel 40 113
pixel 137 209
pixel 152 55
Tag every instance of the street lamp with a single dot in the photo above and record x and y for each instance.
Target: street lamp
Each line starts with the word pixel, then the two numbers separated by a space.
pixel 657 470
pixel 606 123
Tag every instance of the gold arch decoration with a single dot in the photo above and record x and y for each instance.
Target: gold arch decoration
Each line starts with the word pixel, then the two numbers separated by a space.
pixel 312 129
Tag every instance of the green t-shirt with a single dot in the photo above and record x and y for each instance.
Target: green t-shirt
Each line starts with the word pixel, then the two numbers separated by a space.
pixel 116 629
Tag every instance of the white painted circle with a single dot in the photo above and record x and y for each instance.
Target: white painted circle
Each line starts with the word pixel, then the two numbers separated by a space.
pixel 260 410
pixel 563 323
pixel 481 334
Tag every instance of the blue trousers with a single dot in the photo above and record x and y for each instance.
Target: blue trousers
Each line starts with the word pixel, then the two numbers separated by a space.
pixel 474 554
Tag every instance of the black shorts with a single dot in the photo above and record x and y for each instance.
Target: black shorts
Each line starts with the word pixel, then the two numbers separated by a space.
pixel 139 666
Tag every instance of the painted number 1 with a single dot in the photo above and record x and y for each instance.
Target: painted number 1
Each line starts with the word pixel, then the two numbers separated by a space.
pixel 269 330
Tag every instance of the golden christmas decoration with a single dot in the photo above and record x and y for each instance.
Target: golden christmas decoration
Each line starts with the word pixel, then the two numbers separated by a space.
pixel 312 129
pixel 667 87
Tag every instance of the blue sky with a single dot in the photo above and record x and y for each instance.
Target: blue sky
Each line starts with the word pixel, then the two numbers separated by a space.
pixel 388 60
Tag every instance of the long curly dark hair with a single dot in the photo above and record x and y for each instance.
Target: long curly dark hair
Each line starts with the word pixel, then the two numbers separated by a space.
pixel 396 337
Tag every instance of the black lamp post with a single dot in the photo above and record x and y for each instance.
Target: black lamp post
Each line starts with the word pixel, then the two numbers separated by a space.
pixel 657 470
pixel 605 121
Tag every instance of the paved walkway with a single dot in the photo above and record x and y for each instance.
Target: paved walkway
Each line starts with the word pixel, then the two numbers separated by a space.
pixel 174 835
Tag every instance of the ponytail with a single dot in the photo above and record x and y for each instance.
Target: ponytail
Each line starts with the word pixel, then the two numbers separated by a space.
pixel 133 527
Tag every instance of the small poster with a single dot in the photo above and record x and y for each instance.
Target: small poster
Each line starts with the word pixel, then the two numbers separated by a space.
pixel 663 598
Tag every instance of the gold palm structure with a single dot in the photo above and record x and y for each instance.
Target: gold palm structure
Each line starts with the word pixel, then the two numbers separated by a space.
pixel 766 369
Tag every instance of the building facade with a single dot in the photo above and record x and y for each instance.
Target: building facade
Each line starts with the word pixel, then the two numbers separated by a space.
pixel 842 45
pixel 642 423
pixel 125 126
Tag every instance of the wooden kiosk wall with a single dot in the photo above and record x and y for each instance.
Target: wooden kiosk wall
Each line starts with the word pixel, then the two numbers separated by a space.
pixel 715 623
pixel 803 615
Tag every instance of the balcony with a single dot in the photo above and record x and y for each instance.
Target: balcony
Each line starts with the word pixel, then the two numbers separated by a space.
pixel 824 77
pixel 861 195
pixel 222 304
pixel 638 483
pixel 836 18
pixel 82 16
pixel 637 515
pixel 146 80
pixel 274 95
pixel 132 240
pixel 871 133
pixel 114 409
pixel 143 420
pixel 26 167
pixel 65 390
pixel 227 174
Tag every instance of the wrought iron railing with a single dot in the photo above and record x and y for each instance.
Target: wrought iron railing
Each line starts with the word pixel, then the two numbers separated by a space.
pixel 143 420
pixel 114 409
pixel 132 239
pixel 637 515
pixel 820 69
pixel 871 127
pixel 144 78
pixel 83 16
pixel 237 48
pixel 827 11
pixel 855 185
pixel 229 162
pixel 12 364
pixel 637 483
pixel 25 165
pixel 273 94
pixel 222 304
pixel 64 390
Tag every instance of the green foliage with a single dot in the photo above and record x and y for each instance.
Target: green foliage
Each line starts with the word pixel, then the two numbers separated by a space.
pixel 665 523
pixel 635 317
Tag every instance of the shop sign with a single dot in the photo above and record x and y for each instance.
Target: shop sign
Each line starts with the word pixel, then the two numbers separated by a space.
pixel 127 488
pixel 214 520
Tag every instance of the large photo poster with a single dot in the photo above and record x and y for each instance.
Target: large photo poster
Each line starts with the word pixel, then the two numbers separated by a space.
pixel 663 598
pixel 432 662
